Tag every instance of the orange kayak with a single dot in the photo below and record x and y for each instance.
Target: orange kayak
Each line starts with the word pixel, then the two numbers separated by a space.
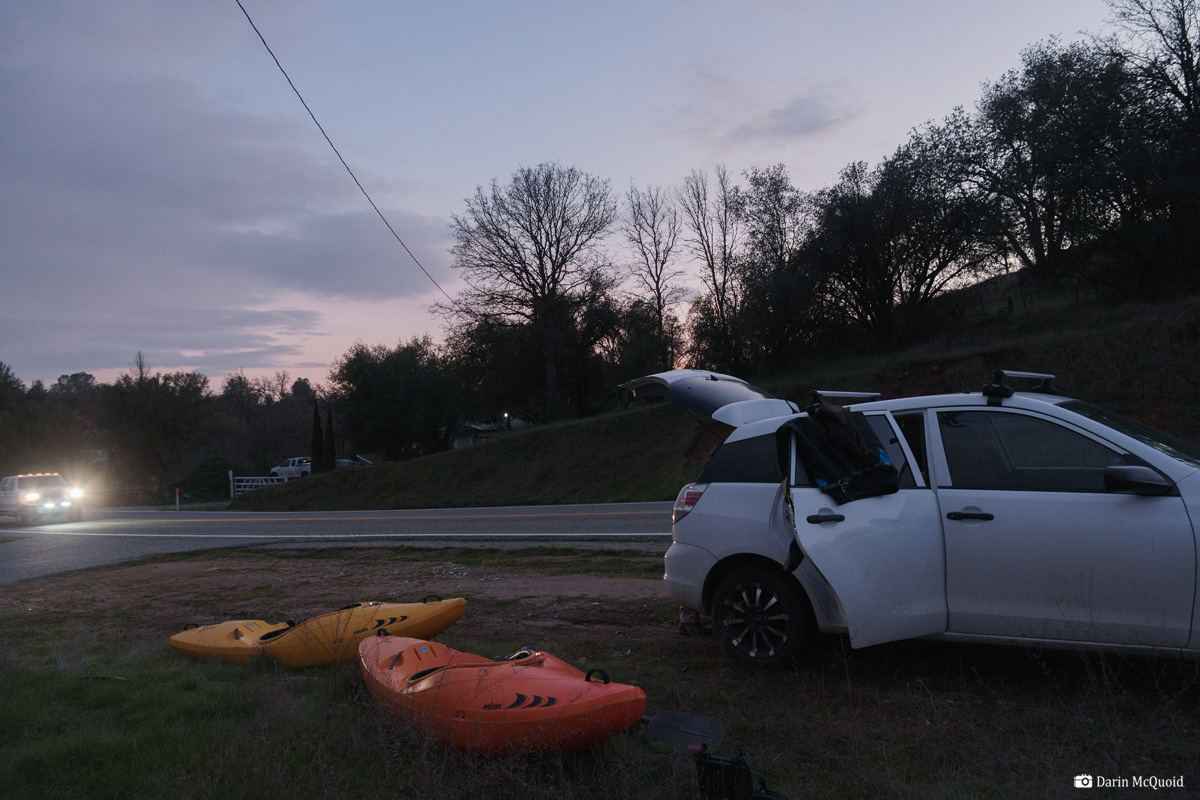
pixel 530 703
pixel 327 639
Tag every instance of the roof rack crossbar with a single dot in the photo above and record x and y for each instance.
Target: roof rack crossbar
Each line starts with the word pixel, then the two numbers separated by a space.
pixel 856 395
pixel 999 390
pixel 818 396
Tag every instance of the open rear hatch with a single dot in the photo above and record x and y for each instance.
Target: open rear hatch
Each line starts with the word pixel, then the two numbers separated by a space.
pixel 724 398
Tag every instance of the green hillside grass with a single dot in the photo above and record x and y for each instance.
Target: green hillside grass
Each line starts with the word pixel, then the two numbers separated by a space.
pixel 1142 361
pixel 641 454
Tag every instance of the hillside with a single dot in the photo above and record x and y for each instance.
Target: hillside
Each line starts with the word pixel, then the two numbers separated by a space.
pixel 642 454
pixel 1143 362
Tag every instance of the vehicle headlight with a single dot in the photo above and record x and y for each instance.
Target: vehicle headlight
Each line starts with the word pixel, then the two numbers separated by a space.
pixel 76 492
pixel 31 497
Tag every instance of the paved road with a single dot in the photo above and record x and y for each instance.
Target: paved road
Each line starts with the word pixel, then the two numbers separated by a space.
pixel 110 536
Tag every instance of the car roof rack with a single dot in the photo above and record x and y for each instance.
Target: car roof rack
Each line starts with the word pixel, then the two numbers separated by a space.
pixel 818 396
pixel 999 390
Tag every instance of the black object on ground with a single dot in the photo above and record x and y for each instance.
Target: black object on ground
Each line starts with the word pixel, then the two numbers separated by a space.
pixel 729 779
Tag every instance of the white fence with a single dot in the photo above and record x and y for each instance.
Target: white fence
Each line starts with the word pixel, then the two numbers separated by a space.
pixel 241 485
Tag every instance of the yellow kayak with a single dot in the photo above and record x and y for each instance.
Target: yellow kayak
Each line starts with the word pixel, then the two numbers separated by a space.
pixel 327 639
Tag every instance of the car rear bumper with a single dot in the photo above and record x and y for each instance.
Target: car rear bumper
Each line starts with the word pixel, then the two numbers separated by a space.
pixel 686 568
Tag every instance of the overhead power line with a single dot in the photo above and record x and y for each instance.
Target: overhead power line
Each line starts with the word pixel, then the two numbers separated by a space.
pixel 353 177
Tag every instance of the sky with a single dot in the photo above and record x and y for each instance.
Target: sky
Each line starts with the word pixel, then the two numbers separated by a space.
pixel 163 191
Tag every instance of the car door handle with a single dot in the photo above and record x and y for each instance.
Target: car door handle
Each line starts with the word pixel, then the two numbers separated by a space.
pixel 961 515
pixel 817 519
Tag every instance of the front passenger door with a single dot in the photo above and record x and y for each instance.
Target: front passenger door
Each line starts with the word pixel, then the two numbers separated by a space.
pixel 1035 546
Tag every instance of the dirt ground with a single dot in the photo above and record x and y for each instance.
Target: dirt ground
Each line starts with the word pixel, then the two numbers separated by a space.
pixel 164 596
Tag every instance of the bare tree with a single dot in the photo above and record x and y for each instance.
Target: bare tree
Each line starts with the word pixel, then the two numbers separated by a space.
pixel 1164 47
pixel 529 251
pixel 713 223
pixel 273 389
pixel 652 231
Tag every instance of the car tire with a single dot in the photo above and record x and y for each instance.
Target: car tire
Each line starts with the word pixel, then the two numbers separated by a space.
pixel 763 617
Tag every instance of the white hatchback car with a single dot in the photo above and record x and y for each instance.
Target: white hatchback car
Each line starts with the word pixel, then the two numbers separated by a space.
pixel 1019 518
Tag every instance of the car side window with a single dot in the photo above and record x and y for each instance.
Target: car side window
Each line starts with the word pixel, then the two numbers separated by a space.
pixel 891 444
pixel 1017 452
pixel 750 460
pixel 912 428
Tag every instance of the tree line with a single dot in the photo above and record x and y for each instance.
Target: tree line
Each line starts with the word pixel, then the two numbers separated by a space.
pixel 1079 168
pixel 149 432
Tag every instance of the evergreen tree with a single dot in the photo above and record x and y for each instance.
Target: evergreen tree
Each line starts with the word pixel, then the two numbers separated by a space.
pixel 318 443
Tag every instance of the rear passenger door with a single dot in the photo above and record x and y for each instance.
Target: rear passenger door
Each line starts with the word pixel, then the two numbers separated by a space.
pixel 1035 546
pixel 882 556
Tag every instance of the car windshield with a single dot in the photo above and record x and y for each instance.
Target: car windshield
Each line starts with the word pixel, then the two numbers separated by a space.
pixel 1186 452
pixel 41 481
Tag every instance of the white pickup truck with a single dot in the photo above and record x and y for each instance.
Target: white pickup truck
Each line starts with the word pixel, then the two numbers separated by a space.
pixel 293 468
pixel 40 496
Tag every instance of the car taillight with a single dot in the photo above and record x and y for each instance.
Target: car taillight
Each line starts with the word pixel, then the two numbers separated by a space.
pixel 686 501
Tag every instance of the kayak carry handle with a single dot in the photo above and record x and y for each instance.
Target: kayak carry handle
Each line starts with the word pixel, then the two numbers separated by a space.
pixel 603 676
pixel 433 598
pixel 416 676
pixel 190 625
pixel 352 605
pixel 272 634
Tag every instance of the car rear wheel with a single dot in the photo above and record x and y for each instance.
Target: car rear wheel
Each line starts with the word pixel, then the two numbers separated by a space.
pixel 763 617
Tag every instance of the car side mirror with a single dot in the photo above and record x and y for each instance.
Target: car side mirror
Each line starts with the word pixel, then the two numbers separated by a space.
pixel 1134 479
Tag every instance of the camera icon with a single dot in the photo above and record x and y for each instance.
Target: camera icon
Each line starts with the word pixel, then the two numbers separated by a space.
pixel 1083 782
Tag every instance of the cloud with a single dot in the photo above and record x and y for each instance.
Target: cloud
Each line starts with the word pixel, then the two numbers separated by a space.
pixel 812 112
pixel 725 110
pixel 141 211
pixel 149 173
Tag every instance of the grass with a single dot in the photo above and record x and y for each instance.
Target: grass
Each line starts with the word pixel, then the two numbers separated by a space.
pixel 638 455
pixel 1140 361
pixel 96 705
